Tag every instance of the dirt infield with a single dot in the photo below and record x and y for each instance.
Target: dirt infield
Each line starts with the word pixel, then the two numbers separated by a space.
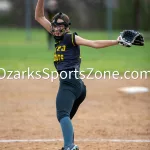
pixel 27 111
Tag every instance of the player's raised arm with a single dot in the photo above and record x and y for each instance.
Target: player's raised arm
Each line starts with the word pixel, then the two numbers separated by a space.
pixel 95 43
pixel 39 15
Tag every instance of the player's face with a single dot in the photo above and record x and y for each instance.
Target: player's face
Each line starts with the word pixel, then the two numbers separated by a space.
pixel 57 29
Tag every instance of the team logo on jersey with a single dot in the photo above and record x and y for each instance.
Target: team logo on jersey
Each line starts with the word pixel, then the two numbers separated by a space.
pixel 59 57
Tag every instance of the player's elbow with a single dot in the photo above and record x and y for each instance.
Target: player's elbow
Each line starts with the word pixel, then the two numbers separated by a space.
pixel 95 45
pixel 38 17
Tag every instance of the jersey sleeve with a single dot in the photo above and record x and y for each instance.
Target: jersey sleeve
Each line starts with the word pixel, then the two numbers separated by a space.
pixel 70 39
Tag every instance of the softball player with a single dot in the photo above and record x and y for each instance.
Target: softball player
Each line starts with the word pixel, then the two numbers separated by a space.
pixel 72 90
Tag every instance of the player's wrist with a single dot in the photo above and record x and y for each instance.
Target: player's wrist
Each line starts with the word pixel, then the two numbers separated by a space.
pixel 115 42
pixel 118 39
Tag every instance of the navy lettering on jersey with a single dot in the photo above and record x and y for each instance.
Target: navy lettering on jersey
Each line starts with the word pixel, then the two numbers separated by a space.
pixel 67 53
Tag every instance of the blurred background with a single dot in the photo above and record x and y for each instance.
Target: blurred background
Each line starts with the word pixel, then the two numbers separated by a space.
pixel 84 14
pixel 23 42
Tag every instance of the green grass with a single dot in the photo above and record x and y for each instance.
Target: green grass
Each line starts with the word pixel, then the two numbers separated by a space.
pixel 18 54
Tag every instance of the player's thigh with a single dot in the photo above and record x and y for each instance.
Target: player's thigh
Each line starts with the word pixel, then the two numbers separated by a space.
pixel 77 102
pixel 65 100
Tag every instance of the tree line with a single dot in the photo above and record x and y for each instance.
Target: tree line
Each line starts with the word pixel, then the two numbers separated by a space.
pixel 88 14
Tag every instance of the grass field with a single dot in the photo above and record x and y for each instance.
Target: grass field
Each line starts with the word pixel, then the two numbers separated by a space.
pixel 18 54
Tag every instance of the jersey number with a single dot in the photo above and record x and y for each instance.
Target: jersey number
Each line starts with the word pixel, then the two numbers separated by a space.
pixel 61 48
pixel 59 57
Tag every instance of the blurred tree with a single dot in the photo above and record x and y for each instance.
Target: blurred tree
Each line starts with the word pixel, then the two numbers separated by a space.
pixel 124 15
pixel 87 14
pixel 17 14
pixel 145 14
pixel 136 12
pixel 81 13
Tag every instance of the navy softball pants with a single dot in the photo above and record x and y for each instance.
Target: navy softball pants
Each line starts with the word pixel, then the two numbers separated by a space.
pixel 71 94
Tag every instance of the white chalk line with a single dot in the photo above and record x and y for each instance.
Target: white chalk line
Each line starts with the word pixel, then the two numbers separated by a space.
pixel 78 140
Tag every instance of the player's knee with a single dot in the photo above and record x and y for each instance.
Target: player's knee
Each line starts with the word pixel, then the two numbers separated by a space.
pixel 84 92
pixel 62 114
pixel 83 95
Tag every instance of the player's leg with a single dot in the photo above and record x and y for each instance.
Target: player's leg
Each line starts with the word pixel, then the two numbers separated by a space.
pixel 64 103
pixel 78 101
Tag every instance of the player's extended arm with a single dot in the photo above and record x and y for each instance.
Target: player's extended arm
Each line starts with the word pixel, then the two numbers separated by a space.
pixel 95 43
pixel 39 15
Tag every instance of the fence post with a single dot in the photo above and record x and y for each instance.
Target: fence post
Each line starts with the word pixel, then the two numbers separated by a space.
pixel 28 19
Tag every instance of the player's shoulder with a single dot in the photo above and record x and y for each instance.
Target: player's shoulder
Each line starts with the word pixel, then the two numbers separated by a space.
pixel 69 34
pixel 70 38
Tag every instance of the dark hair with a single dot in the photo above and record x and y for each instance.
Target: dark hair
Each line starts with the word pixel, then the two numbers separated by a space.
pixel 62 16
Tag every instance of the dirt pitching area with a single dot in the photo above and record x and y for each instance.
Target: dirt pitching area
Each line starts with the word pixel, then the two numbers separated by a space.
pixel 107 120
